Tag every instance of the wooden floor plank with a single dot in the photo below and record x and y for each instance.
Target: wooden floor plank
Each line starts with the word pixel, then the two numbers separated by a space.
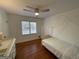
pixel 32 50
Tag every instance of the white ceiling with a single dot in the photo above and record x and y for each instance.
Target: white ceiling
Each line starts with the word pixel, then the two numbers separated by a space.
pixel 55 6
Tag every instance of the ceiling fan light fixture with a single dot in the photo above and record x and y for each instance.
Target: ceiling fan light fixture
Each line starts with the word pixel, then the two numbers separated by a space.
pixel 36 13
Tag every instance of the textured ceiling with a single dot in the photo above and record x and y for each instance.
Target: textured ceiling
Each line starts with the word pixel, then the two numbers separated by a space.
pixel 55 6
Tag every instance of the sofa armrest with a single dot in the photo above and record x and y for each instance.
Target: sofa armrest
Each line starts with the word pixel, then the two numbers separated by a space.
pixel 46 37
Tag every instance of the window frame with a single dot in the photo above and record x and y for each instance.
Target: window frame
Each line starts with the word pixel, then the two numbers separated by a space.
pixel 29 27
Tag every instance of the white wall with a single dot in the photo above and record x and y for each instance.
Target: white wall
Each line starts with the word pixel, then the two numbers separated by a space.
pixel 4 22
pixel 64 26
pixel 15 27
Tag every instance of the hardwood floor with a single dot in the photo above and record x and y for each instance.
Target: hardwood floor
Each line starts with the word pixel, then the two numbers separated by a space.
pixel 32 50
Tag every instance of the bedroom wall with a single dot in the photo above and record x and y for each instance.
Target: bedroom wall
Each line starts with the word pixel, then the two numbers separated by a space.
pixel 15 27
pixel 64 26
pixel 4 22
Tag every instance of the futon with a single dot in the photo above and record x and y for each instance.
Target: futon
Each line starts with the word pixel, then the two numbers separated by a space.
pixel 61 49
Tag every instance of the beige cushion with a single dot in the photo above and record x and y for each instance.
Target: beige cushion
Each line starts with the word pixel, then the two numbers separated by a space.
pixel 2 36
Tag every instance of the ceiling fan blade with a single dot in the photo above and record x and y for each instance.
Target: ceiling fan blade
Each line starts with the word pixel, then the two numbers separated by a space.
pixel 45 10
pixel 30 7
pixel 27 10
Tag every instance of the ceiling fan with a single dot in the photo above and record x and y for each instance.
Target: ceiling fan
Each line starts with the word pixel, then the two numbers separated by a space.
pixel 35 10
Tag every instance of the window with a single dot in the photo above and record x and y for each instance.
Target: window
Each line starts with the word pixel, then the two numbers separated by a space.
pixel 28 27
pixel 25 27
pixel 33 27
